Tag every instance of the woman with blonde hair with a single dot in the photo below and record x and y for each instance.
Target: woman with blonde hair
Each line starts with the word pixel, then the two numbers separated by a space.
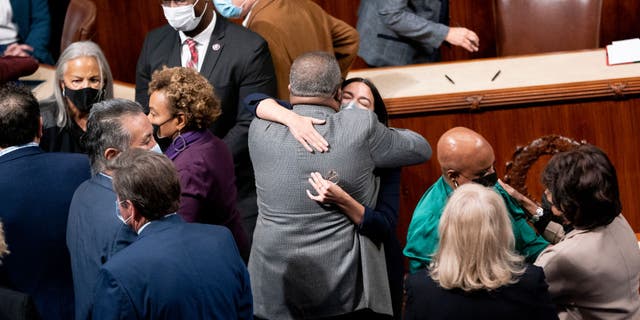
pixel 476 272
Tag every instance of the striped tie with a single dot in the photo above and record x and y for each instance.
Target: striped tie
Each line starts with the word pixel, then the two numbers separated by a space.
pixel 193 62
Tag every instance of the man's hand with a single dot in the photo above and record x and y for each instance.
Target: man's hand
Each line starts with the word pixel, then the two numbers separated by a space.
pixel 463 37
pixel 18 50
pixel 302 130
pixel 525 202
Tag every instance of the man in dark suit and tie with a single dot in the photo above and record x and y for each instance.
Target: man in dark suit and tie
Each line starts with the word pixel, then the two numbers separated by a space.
pixel 174 270
pixel 94 233
pixel 235 60
pixel 36 189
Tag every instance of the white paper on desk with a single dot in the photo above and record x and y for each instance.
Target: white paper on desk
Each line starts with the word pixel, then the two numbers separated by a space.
pixel 624 51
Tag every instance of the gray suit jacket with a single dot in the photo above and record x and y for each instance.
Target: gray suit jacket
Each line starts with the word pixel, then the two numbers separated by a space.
pixel 400 32
pixel 594 274
pixel 307 259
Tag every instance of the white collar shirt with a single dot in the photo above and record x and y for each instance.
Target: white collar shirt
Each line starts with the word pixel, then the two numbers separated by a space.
pixel 202 42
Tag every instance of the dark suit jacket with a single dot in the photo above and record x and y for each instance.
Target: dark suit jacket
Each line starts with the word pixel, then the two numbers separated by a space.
pixel 36 189
pixel 241 65
pixel 16 305
pixel 175 270
pixel 94 234
pixel 32 18
pixel 526 299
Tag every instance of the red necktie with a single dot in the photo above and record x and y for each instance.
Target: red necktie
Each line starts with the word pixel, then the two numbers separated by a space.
pixel 193 62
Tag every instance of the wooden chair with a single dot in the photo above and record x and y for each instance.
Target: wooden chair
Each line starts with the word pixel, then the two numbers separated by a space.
pixel 536 26
pixel 525 157
pixel 79 23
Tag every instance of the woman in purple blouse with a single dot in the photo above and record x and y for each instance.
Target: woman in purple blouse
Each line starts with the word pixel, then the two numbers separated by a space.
pixel 182 106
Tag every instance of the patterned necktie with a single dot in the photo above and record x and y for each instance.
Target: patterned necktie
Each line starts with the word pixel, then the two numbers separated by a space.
pixel 193 62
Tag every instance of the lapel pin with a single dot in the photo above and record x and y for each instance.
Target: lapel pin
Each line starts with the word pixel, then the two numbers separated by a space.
pixel 216 46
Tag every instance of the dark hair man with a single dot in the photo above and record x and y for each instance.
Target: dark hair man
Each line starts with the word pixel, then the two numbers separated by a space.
pixel 36 189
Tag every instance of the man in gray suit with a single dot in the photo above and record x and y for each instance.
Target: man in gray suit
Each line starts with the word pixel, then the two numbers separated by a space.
pixel 400 32
pixel 307 258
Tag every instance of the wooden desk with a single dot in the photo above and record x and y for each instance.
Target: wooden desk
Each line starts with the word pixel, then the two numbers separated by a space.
pixel 47 74
pixel 574 94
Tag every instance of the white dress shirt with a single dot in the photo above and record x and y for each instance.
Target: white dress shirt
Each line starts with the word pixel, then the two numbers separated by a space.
pixel 8 29
pixel 202 41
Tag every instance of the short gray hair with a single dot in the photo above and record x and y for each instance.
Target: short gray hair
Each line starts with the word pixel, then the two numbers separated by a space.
pixel 105 130
pixel 315 74
pixel 73 51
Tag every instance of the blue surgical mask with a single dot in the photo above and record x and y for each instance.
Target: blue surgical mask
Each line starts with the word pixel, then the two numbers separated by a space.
pixel 227 9
pixel 156 149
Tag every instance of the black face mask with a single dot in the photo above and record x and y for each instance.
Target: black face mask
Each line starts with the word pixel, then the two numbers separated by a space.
pixel 546 206
pixel 83 98
pixel 487 180
pixel 162 142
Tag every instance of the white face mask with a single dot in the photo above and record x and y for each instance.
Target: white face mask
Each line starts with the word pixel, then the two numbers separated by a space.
pixel 228 9
pixel 183 18
pixel 125 221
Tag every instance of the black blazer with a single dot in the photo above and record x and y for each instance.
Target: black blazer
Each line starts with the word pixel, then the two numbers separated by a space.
pixel 526 299
pixel 239 65
pixel 16 305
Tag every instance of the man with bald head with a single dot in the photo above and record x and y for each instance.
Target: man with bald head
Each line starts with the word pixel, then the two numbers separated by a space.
pixel 464 156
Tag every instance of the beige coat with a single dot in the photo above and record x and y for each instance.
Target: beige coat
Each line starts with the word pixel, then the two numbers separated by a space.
pixel 293 27
pixel 595 274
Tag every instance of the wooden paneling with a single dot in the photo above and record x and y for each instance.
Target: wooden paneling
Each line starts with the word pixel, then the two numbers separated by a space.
pixel 476 16
pixel 121 28
pixel 620 20
pixel 610 123
pixel 346 11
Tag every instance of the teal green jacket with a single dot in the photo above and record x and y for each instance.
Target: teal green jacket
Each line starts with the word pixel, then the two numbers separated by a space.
pixel 422 237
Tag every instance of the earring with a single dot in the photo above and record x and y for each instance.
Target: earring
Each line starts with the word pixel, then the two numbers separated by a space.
pixel 184 143
pixel 455 183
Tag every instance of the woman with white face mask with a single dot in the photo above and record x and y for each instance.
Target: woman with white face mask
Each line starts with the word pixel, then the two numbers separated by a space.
pixel 82 78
